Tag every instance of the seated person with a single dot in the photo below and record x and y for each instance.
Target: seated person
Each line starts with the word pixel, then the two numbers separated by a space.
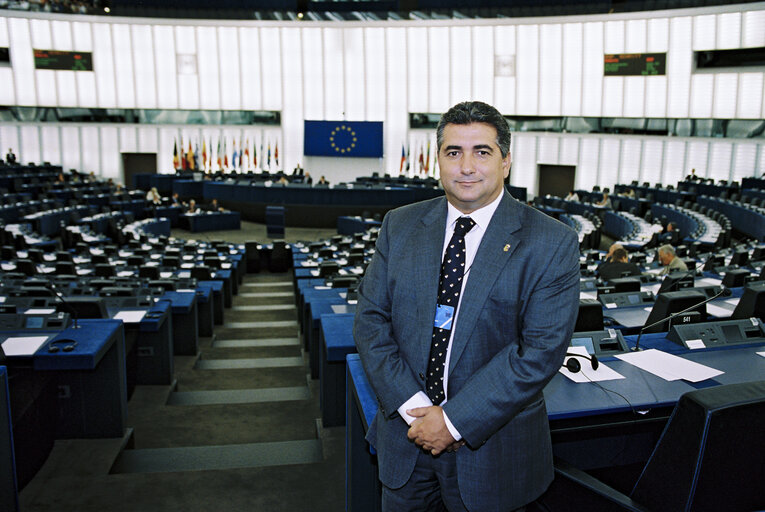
pixel 153 196
pixel 671 235
pixel 572 196
pixel 176 200
pixel 283 181
pixel 307 178
pixel 192 207
pixel 605 202
pixel 669 259
pixel 617 266
pixel 322 181
pixel 213 206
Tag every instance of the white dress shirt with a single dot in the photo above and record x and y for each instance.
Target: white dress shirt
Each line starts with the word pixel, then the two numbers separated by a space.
pixel 473 238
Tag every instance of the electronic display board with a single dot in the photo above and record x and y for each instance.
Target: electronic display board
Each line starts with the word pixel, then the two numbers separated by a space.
pixel 635 64
pixel 63 60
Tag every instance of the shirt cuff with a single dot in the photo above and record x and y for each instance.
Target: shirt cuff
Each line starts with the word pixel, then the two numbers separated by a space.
pixel 453 431
pixel 419 399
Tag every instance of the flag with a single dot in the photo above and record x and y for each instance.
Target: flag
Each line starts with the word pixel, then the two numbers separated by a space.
pixel 234 157
pixel 204 154
pixel 427 159
pixel 421 162
pixel 254 157
pixel 190 157
pixel 407 157
pixel 343 138
pixel 247 153
pixel 176 160
pixel 262 160
pixel 276 154
pixel 196 156
pixel 268 158
pixel 184 159
pixel 225 155
pixel 220 155
pixel 403 159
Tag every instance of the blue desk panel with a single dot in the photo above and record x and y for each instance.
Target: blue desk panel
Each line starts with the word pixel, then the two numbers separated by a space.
pixel 185 335
pixel 337 342
pixel 9 498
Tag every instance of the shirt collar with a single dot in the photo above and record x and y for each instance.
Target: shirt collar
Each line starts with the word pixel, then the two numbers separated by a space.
pixel 481 216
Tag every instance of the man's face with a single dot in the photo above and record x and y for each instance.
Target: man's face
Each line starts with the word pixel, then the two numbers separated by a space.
pixel 472 167
pixel 665 258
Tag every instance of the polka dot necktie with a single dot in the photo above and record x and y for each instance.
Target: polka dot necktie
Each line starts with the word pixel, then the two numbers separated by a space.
pixel 449 289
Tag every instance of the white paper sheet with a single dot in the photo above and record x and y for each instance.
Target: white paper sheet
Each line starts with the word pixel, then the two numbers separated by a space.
pixel 130 316
pixel 23 345
pixel 668 366
pixel 587 374
pixel 718 311
pixel 39 311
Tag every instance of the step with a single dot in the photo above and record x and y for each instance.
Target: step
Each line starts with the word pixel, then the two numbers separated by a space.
pixel 268 285
pixel 265 295
pixel 265 307
pixel 262 362
pixel 239 396
pixel 260 325
pixel 203 458
pixel 254 342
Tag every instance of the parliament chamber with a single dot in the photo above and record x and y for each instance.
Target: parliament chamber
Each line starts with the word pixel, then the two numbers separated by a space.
pixel 191 194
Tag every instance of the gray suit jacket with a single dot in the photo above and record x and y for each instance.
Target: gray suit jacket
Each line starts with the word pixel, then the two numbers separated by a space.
pixel 515 321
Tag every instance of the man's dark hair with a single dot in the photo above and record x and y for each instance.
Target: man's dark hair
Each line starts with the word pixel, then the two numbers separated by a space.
pixel 618 255
pixel 469 112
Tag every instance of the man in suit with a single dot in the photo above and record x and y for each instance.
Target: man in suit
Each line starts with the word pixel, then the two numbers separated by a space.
pixel 617 266
pixel 670 261
pixel 466 428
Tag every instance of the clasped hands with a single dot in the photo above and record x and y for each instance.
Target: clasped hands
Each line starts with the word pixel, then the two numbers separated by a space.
pixel 429 430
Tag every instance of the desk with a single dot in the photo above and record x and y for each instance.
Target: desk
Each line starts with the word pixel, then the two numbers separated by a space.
pixel 316 303
pixel 9 497
pixel 589 426
pixel 212 221
pixel 216 290
pixel 205 310
pixel 337 342
pixel 154 344
pixel 185 335
pixel 350 225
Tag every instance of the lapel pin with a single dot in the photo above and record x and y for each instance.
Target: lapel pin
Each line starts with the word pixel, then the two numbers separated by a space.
pixel 506 248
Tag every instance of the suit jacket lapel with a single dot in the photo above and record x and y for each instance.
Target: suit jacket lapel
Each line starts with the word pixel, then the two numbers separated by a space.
pixel 427 245
pixel 497 247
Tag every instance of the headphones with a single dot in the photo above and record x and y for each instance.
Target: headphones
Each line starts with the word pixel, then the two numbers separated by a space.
pixel 573 365
pixel 68 345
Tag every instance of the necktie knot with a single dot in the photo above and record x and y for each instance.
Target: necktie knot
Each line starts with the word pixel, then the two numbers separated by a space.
pixel 464 224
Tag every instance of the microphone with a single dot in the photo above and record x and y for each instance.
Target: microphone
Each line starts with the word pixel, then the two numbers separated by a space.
pixel 725 292
pixel 60 297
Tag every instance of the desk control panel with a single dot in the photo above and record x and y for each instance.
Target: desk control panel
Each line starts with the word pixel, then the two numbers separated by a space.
pixel 600 343
pixel 37 321
pixel 626 299
pixel 716 334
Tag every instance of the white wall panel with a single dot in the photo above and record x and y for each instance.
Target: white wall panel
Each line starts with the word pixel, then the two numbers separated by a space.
pixel 634 95
pixel 652 155
pixel 697 155
pixel 82 41
pixel 726 89
pixel 753 28
pixel 128 139
pixel 251 71
pixel 374 48
pixel 103 63
pixel 630 160
pixel 657 35
pixel 165 67
pixel 527 71
pixel 50 144
pixel 483 64
pixel 675 167
pixel 23 61
pixel 396 126
pixel 589 163
pixel 167 136
pixel 188 84
pixel 228 55
pixel 291 151
pixel 704 32
pixel 548 148
pixel 145 74
pixel 111 162
pixel 9 139
pixel 702 90
pixel 270 48
pixel 524 166
pixel 313 73
pixel 679 62
pixel 571 88
pixel 45 79
pixel 728 30
pixel 29 150
pixel 123 66
pixel 608 172
pixel 354 64
pixel 592 70
pixel 505 86
pixel 613 96
pixel 91 155
pixel 613 37
pixel 417 66
pixel 750 94
pixel 744 158
pixel 656 96
pixel 70 147
pixel 210 67
pixel 569 150
pixel 439 76
pixel 334 82
pixel 8 91
pixel 635 38
pixel 66 88
pixel 460 64
pixel 148 139
pixel 720 155
pixel 550 70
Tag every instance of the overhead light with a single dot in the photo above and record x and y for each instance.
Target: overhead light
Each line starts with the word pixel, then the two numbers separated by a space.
pixel 300 15
pixel 107 10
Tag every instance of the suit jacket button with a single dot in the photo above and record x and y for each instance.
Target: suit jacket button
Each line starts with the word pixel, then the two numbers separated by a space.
pixel 422 377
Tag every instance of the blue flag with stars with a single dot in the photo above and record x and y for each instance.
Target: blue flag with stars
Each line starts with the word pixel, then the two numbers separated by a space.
pixel 344 138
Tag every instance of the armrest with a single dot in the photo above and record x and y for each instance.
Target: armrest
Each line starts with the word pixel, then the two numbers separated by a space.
pixel 581 488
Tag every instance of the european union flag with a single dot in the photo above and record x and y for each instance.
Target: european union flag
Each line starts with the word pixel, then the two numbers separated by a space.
pixel 343 138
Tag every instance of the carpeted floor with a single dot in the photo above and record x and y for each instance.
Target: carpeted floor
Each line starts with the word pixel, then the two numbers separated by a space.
pixel 238 431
